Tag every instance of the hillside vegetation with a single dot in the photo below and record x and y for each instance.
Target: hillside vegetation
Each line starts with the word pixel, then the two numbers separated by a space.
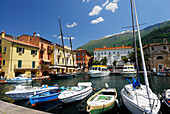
pixel 126 37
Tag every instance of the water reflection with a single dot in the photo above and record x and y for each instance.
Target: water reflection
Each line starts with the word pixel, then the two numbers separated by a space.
pixel 157 84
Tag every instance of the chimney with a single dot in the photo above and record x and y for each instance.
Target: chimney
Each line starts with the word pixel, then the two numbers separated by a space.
pixel 3 34
pixel 34 34
pixel 104 46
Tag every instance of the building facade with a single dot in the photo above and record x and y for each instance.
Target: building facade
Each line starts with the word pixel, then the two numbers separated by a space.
pixel 158 55
pixel 83 58
pixel 18 58
pixel 112 54
pixel 61 64
pixel 44 52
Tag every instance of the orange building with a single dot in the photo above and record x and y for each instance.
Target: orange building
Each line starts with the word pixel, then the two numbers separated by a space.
pixel 44 52
pixel 83 58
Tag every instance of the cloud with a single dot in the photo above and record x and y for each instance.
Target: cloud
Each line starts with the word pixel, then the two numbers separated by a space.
pixel 107 1
pixel 71 38
pixel 112 6
pixel 95 11
pixel 59 37
pixel 86 0
pixel 72 25
pixel 54 35
pixel 98 20
pixel 115 0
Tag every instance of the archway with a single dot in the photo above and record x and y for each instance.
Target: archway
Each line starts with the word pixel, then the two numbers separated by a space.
pixel 18 73
pixel 45 73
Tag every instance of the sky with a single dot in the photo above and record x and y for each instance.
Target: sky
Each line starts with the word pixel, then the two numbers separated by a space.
pixel 83 20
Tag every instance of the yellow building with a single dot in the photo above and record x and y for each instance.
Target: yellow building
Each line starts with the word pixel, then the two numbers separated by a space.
pixel 18 57
pixel 61 65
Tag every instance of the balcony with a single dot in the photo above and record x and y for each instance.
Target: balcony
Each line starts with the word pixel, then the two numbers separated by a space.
pixel 49 50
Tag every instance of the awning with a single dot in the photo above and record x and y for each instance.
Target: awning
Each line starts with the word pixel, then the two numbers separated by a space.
pixel 54 67
pixel 63 67
pixel 47 61
pixel 71 68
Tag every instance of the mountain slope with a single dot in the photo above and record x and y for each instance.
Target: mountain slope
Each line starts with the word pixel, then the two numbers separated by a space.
pixel 116 40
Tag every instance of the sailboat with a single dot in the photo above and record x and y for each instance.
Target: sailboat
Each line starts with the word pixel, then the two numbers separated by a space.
pixel 138 98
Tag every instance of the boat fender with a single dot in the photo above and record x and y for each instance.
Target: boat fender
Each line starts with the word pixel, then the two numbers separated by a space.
pixel 34 92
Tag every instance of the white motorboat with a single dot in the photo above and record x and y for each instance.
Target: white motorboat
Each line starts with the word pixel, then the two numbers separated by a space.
pixel 20 79
pixel 24 92
pixel 128 71
pixel 79 92
pixel 98 71
pixel 137 98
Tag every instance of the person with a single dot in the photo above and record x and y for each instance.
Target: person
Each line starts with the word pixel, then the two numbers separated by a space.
pixel 1 77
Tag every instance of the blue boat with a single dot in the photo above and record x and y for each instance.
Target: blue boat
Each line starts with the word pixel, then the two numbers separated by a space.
pixel 45 96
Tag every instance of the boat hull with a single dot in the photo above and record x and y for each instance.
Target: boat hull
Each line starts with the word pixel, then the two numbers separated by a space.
pixel 78 96
pixel 37 100
pixel 128 74
pixel 102 110
pixel 98 74
pixel 60 76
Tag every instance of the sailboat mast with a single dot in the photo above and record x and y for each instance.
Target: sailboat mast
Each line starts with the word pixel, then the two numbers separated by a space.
pixel 62 41
pixel 134 38
pixel 142 55
pixel 71 50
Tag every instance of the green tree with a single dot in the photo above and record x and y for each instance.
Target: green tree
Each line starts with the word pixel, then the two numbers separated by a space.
pixel 114 63
pixel 95 62
pixel 104 61
pixel 125 59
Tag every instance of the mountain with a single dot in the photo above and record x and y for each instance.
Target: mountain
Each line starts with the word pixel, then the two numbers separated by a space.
pixel 124 38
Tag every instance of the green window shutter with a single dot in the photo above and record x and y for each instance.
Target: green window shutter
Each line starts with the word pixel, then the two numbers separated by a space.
pixel 33 64
pixel 17 49
pixel 35 52
pixel 22 50
pixel 19 63
pixel 31 52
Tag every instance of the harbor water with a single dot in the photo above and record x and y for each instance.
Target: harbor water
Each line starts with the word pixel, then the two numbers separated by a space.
pixel 157 84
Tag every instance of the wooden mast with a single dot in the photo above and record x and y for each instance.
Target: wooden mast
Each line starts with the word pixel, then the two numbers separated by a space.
pixel 62 41
pixel 71 49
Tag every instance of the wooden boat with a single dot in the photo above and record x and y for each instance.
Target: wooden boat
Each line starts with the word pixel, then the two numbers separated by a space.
pixel 45 96
pixel 3 81
pixel 102 101
pixel 79 92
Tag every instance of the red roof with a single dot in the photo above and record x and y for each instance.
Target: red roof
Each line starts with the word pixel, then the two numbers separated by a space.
pixel 110 48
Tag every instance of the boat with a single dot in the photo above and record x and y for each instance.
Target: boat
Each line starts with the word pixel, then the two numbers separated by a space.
pixel 75 93
pixel 24 92
pixel 138 98
pixel 45 96
pixel 3 81
pixel 61 75
pixel 102 101
pixel 166 98
pixel 128 71
pixel 160 74
pixel 20 79
pixel 98 71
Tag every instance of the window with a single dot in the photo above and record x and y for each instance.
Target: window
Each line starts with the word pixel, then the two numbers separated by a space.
pixel 128 52
pixel 152 48
pixel 3 62
pixel 83 64
pixel 33 64
pixel 79 59
pixel 109 53
pixel 94 53
pixel 41 41
pixel 30 39
pixel 113 52
pixel 20 50
pixel 105 53
pixel 58 50
pixel 79 64
pixel 70 61
pixel 83 54
pixel 164 47
pixel 101 53
pixel 33 52
pixel 118 52
pixel 0 41
pixel 95 58
pixel 83 59
pixel 98 53
pixel 19 63
pixel 41 55
pixel 63 60
pixel 78 54
pixel 4 50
